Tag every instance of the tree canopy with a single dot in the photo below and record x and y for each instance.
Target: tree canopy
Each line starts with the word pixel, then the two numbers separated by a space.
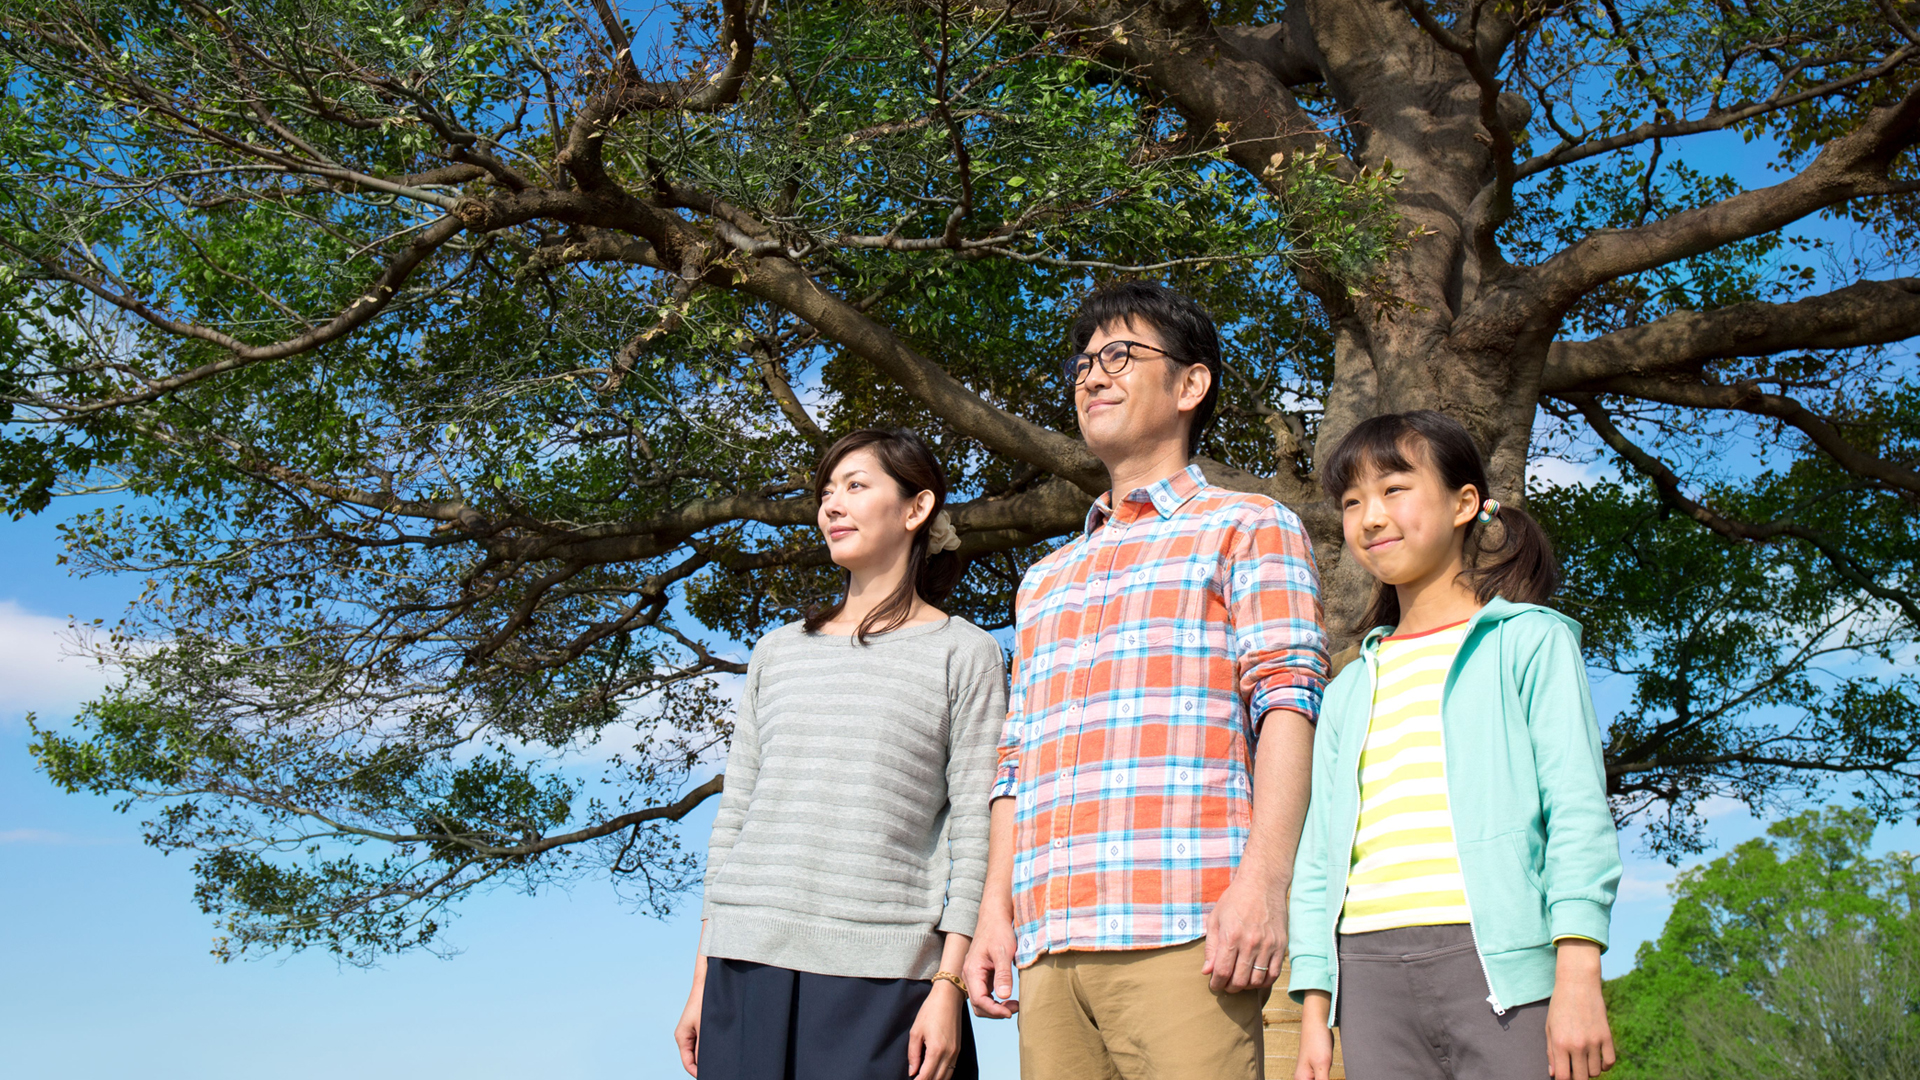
pixel 1792 957
pixel 463 363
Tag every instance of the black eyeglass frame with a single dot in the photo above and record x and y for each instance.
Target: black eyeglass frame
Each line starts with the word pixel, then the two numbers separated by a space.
pixel 1077 367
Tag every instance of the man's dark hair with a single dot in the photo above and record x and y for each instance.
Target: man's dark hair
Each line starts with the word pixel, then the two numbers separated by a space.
pixel 1182 323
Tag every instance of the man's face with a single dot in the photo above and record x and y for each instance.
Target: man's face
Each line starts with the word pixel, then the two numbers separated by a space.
pixel 1143 404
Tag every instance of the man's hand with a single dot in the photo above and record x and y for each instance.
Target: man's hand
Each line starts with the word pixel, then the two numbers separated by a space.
pixel 1247 929
pixel 1247 933
pixel 989 968
pixel 1579 1042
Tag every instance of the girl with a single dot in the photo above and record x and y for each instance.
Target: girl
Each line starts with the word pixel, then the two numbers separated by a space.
pixel 849 850
pixel 1457 871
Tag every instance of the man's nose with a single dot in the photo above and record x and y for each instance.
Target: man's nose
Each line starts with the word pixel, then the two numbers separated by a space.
pixel 1097 378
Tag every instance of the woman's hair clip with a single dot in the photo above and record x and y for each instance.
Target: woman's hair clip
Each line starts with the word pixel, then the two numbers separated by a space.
pixel 941 536
pixel 1488 509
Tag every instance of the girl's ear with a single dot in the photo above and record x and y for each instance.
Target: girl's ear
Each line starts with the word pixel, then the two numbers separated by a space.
pixel 919 510
pixel 1466 506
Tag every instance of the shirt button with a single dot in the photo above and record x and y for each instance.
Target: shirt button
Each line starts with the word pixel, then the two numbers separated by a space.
pixel 1058 842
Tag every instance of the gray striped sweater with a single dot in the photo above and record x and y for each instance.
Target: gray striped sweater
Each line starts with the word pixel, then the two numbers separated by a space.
pixel 852 832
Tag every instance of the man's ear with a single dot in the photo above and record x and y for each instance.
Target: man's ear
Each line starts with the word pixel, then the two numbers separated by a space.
pixel 1195 381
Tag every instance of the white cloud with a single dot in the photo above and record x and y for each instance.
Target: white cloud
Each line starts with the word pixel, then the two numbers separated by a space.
pixel 1565 473
pixel 52 838
pixel 1646 882
pixel 40 669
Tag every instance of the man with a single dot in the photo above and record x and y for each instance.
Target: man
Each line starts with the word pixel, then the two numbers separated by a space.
pixel 1141 850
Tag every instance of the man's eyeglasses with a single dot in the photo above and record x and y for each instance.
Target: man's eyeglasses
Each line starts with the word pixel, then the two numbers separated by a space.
pixel 1114 357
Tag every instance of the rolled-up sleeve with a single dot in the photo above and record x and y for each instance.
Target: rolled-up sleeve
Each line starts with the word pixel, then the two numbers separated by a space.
pixel 1273 597
pixel 1006 777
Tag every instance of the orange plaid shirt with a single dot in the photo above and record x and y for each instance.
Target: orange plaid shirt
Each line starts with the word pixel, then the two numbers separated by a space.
pixel 1147 652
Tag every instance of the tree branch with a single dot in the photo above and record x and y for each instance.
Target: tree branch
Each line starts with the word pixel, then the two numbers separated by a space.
pixel 1668 484
pixel 1748 398
pixel 357 314
pixel 1568 152
pixel 1862 314
pixel 1849 167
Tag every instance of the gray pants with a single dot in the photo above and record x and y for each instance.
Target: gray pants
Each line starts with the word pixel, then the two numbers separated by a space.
pixel 1413 1004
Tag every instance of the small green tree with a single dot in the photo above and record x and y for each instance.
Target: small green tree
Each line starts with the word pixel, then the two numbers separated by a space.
pixel 1803 963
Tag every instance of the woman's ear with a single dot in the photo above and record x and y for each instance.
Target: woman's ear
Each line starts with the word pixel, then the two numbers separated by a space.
pixel 919 510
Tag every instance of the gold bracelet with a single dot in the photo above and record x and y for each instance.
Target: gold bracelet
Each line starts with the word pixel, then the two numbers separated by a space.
pixel 954 979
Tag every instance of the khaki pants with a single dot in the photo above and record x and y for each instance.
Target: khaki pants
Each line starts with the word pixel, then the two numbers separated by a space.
pixel 1143 1014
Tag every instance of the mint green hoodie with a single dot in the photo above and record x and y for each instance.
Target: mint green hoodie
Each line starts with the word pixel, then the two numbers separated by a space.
pixel 1527 788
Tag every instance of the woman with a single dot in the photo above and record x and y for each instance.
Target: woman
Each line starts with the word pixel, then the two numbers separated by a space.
pixel 848 854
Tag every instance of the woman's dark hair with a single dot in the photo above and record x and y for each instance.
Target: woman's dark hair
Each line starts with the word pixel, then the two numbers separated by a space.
pixel 1181 322
pixel 1520 568
pixel 906 458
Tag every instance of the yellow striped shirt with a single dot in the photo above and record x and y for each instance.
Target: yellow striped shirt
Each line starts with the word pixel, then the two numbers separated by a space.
pixel 1406 869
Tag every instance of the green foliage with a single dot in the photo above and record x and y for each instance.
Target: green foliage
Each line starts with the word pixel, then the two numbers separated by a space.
pixel 1792 957
pixel 1727 645
pixel 433 596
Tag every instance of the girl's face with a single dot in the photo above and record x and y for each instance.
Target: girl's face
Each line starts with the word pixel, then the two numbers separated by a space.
pixel 868 523
pixel 1406 527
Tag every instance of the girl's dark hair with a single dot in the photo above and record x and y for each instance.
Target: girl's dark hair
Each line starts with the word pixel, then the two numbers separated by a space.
pixel 1520 568
pixel 906 458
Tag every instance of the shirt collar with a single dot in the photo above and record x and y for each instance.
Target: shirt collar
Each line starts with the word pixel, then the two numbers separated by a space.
pixel 1166 496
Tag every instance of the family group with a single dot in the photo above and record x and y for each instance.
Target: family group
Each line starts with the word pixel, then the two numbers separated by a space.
pixel 1170 797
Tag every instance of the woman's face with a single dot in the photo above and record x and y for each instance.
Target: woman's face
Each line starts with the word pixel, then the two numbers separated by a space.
pixel 868 523
pixel 1405 527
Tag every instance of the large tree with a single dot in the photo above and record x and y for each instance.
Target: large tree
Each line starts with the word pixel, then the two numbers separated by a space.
pixel 464 363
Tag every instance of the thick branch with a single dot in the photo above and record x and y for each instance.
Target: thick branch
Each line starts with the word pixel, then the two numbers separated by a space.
pixel 1862 314
pixel 786 284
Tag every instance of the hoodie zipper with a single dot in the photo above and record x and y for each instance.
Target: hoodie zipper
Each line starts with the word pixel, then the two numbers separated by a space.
pixel 1353 831
pixel 1473 931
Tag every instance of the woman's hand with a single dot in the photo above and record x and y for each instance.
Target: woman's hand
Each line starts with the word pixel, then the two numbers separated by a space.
pixel 933 1046
pixel 1579 1042
pixel 1316 1039
pixel 687 1032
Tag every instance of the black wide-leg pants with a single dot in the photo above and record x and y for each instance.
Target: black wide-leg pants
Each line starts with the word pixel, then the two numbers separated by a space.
pixel 759 1022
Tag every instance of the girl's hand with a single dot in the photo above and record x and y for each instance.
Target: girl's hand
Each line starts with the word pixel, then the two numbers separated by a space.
pixel 1579 1042
pixel 687 1032
pixel 1316 1039
pixel 933 1046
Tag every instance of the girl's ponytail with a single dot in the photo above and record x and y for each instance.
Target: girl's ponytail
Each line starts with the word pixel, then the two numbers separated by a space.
pixel 1518 565
pixel 1508 556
